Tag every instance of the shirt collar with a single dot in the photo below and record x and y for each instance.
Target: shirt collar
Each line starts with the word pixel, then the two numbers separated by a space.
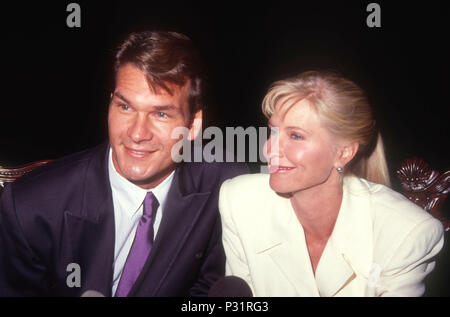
pixel 131 195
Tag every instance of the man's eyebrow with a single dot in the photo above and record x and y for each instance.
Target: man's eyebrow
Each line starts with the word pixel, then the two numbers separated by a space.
pixel 169 107
pixel 166 108
pixel 120 96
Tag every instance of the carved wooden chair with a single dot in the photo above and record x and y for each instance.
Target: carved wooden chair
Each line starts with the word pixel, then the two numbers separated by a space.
pixel 10 174
pixel 425 187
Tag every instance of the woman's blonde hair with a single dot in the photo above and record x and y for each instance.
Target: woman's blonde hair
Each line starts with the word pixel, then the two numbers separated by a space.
pixel 344 109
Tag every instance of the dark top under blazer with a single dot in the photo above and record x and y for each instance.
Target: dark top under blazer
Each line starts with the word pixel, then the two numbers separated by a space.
pixel 62 213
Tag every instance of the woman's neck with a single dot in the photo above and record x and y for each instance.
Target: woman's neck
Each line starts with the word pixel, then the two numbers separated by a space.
pixel 317 208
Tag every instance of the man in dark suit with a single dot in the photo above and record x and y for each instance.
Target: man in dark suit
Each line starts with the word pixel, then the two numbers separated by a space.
pixel 123 218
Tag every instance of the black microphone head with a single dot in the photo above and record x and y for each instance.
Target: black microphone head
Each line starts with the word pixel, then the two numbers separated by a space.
pixel 230 286
pixel 92 293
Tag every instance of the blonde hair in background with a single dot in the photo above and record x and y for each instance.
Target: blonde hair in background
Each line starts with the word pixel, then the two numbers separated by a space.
pixel 344 109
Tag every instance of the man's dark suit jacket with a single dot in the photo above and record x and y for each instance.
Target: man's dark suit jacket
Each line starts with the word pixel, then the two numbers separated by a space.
pixel 62 213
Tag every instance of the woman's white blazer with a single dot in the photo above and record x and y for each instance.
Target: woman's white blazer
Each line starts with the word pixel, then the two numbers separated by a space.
pixel 381 244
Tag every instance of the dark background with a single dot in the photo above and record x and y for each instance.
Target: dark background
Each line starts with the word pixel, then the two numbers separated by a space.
pixel 56 80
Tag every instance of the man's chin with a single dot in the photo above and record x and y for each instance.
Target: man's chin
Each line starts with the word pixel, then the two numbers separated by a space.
pixel 149 181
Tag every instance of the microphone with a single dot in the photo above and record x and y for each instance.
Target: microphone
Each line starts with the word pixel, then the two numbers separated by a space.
pixel 230 286
pixel 92 293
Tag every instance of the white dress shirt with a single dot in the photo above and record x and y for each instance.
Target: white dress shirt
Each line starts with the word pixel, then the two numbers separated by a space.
pixel 128 208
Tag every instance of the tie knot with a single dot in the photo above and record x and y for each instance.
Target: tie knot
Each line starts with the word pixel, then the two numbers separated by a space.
pixel 150 204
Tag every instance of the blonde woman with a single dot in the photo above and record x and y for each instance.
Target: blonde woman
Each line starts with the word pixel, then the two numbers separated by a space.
pixel 324 222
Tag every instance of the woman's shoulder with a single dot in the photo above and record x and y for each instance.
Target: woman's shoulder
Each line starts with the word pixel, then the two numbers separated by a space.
pixel 248 192
pixel 248 183
pixel 402 232
pixel 389 207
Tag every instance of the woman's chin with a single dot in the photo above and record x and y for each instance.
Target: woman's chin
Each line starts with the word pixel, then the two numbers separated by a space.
pixel 280 187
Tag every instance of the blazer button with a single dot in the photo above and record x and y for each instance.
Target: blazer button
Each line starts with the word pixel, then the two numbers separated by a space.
pixel 199 255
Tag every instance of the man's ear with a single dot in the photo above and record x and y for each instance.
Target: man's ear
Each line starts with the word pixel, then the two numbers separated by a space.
pixel 346 153
pixel 196 125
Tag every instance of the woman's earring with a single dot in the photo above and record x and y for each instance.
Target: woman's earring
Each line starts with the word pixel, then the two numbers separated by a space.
pixel 340 169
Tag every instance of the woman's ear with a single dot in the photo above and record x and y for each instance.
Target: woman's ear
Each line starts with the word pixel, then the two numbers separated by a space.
pixel 196 125
pixel 346 153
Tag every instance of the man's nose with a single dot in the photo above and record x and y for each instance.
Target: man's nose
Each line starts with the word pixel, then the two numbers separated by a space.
pixel 140 129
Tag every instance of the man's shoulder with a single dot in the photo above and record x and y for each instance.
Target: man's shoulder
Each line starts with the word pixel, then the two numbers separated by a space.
pixel 61 172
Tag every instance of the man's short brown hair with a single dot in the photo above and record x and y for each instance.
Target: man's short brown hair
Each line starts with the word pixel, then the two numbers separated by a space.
pixel 165 57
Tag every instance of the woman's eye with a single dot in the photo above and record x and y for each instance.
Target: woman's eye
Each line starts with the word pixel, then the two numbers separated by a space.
pixel 296 136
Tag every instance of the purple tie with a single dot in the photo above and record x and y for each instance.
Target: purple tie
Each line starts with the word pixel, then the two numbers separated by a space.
pixel 141 247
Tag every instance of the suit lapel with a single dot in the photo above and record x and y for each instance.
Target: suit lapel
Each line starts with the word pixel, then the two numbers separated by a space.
pixel 92 245
pixel 92 230
pixel 183 208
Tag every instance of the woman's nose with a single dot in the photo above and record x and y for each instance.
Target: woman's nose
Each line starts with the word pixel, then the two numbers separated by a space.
pixel 272 150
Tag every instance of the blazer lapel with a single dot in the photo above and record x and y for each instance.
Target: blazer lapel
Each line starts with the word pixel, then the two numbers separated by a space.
pixel 348 252
pixel 285 244
pixel 297 270
pixel 333 272
pixel 183 207
pixel 92 230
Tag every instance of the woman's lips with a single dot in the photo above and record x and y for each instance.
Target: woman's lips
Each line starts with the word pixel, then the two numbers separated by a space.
pixel 279 169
